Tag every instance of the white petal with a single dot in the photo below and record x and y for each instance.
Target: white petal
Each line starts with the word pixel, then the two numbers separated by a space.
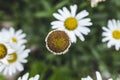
pixel 55 27
pixel 19 78
pixel 19 32
pixel 82 14
pixel 73 10
pixel 66 12
pixel 2 67
pixel 111 25
pixel 87 78
pixel 110 79
pixel 24 54
pixel 84 30
pixel 98 75
pixel 36 77
pixel 57 23
pixel 11 70
pixel 72 36
pixel 118 24
pixel 58 16
pixel 21 36
pixel 12 30
pixel 79 35
pixel 5 71
pixel 85 22
pixel 105 39
pixel 25 77
pixel 19 67
pixel 117 47
pixel 106 34
pixel 62 13
pixel 114 22
pixel 31 78
pixel 110 43
pixel 24 61
pixel 105 29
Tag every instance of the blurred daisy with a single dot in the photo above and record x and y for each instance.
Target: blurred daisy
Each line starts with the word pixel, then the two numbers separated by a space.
pixel 57 42
pixel 112 34
pixel 87 78
pixel 25 77
pixel 73 24
pixel 118 78
pixel 95 2
pixel 98 76
pixel 13 37
pixel 15 61
pixel 5 50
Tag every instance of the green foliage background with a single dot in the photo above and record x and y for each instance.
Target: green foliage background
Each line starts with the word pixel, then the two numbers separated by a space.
pixel 83 58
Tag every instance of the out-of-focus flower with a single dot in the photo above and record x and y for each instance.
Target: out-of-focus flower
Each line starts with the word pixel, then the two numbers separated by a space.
pixel 95 2
pixel 98 76
pixel 15 61
pixel 112 34
pixel 25 77
pixel 5 50
pixel 87 78
pixel 73 24
pixel 118 78
pixel 58 42
pixel 13 37
pixel 12 51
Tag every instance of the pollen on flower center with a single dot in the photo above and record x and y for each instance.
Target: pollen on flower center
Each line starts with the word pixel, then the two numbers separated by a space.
pixel 57 41
pixel 14 40
pixel 116 34
pixel 71 23
pixel 3 51
pixel 12 57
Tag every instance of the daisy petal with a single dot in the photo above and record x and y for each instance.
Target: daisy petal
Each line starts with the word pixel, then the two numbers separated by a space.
pixel 66 11
pixel 58 16
pixel 80 36
pixel 73 10
pixel 82 14
pixel 72 37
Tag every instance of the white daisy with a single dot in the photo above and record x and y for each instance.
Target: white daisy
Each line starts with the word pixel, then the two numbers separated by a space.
pixel 112 34
pixel 98 76
pixel 70 22
pixel 13 37
pixel 87 78
pixel 5 50
pixel 15 61
pixel 25 77
pixel 95 2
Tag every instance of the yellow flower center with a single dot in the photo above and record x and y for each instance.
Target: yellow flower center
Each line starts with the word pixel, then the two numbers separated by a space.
pixel 58 41
pixel 14 40
pixel 3 51
pixel 116 34
pixel 71 23
pixel 12 57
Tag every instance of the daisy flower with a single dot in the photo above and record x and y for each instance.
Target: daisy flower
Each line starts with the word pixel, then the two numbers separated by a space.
pixel 13 37
pixel 25 77
pixel 57 42
pixel 70 22
pixel 87 78
pixel 5 50
pixel 111 34
pixel 98 76
pixel 15 61
pixel 95 2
